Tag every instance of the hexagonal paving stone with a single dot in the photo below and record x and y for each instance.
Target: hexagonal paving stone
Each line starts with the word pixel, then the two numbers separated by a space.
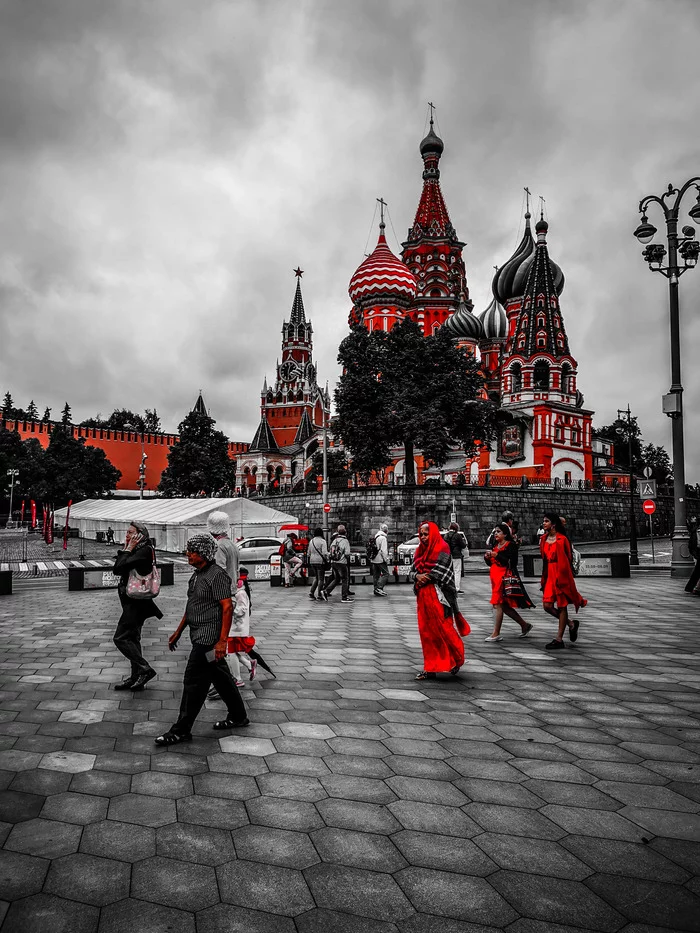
pixel 100 783
pixel 242 745
pixel 284 814
pixel 176 763
pixel 433 818
pixel 16 807
pixel 125 762
pixel 46 912
pixel 365 817
pixel 350 787
pixel 161 784
pixel 234 918
pixel 358 850
pixel 123 841
pixel 440 792
pixel 267 888
pixel 447 853
pixel 291 786
pixel 45 838
pixel 142 809
pixel 321 920
pixel 338 888
pixel 175 884
pixel 40 781
pixel 21 875
pixel 203 845
pixel 72 762
pixel 538 856
pixel 212 811
pixel 231 786
pixel 12 759
pixel 274 846
pixel 89 879
pixel 75 808
pixel 131 914
pixel 457 896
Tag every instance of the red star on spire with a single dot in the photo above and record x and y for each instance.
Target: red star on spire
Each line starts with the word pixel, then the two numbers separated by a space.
pixel 298 272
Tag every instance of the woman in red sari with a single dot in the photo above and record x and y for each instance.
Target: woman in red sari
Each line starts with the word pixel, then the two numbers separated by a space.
pixel 558 584
pixel 438 612
pixel 503 568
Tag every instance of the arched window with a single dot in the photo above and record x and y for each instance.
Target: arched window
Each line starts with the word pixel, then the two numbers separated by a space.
pixel 436 328
pixel 541 374
pixel 521 342
pixel 435 293
pixel 541 339
pixel 566 375
pixel 540 320
pixel 516 377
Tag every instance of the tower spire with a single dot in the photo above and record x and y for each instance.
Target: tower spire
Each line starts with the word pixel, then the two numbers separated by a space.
pixel 298 315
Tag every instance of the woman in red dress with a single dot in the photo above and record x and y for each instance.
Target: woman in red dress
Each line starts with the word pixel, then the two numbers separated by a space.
pixel 508 593
pixel 558 584
pixel 436 603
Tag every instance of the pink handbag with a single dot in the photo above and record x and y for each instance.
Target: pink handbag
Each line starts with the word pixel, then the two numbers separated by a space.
pixel 144 587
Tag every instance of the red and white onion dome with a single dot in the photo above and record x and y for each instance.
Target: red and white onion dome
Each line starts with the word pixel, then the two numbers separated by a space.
pixel 382 276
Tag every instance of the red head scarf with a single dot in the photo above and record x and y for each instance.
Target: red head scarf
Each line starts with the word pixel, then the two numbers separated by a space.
pixel 427 554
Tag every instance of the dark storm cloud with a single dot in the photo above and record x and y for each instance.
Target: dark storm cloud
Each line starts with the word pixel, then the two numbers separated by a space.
pixel 165 165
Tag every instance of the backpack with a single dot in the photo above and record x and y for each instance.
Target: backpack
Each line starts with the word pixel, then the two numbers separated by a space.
pixel 372 547
pixel 336 553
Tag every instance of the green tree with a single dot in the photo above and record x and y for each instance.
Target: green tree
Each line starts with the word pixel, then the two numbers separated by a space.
pixel 96 422
pixel 8 406
pixel 73 470
pixel 433 390
pixel 361 401
pixel 337 463
pixel 659 461
pixel 151 422
pixel 47 415
pixel 618 432
pixel 66 414
pixel 120 417
pixel 32 411
pixel 199 461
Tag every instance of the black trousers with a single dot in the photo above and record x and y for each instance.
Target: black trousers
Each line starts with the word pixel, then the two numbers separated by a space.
pixel 341 574
pixel 694 577
pixel 127 638
pixel 200 674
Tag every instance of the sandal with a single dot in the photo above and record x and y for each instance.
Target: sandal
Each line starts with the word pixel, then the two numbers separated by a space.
pixel 230 724
pixel 426 675
pixel 455 670
pixel 573 630
pixel 172 738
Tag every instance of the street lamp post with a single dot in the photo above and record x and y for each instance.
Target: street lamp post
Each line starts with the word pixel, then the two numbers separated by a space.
pixel 688 248
pixel 144 457
pixel 325 478
pixel 13 474
pixel 634 553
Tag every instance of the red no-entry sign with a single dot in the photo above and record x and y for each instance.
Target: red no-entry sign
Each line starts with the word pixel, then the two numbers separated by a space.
pixel 649 506
pixel 327 507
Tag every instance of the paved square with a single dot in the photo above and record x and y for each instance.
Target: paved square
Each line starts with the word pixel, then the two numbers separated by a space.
pixel 536 793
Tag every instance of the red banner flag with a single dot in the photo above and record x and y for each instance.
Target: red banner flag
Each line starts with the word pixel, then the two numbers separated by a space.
pixel 44 526
pixel 22 513
pixel 49 528
pixel 65 530
pixel 33 507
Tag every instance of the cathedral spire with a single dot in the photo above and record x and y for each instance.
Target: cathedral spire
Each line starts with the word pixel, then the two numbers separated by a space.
pixel 298 315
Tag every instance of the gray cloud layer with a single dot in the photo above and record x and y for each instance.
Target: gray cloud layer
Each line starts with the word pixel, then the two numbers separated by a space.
pixel 164 165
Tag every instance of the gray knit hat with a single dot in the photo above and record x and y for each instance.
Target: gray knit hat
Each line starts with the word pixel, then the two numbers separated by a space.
pixel 202 544
pixel 218 523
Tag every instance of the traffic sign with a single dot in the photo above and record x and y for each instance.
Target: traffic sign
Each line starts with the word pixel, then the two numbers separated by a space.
pixel 648 472
pixel 649 506
pixel 326 506
pixel 647 489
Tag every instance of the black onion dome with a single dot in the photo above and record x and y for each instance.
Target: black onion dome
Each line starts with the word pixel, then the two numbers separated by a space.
pixel 431 144
pixel 463 325
pixel 510 280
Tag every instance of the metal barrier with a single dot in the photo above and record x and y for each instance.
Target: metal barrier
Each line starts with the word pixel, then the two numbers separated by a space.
pixel 89 578
pixel 592 565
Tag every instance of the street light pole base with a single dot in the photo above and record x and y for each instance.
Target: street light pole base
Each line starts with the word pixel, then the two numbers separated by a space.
pixel 681 561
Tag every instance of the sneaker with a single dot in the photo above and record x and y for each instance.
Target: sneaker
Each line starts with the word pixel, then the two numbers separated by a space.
pixel 239 683
pixel 526 631
pixel 554 645
pixel 142 680
pixel 348 599
pixel 324 596
pixel 253 669
pixel 379 593
pixel 494 638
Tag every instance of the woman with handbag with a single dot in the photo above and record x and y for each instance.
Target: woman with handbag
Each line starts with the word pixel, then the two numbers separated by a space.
pixel 558 585
pixel 319 563
pixel 440 623
pixel 508 594
pixel 135 567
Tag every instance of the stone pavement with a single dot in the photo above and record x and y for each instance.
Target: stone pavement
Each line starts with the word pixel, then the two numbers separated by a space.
pixel 536 793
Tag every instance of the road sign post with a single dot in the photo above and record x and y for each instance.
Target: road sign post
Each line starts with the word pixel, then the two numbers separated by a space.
pixel 326 507
pixel 647 489
pixel 649 506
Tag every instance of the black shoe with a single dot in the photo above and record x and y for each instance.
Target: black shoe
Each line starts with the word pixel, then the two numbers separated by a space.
pixel 142 680
pixel 126 684
pixel 379 593
pixel 573 630
pixel 348 599
pixel 554 645
pixel 230 724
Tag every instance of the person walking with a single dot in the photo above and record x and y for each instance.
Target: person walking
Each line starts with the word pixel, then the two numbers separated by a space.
pixel 290 559
pixel 509 519
pixel 508 593
pixel 458 544
pixel 138 555
pixel 317 555
pixel 380 561
pixel 340 565
pixel 558 584
pixel 693 584
pixel 436 605
pixel 226 552
pixel 208 616
pixel 110 535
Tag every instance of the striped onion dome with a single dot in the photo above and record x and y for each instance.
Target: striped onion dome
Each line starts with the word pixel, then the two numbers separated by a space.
pixel 509 281
pixel 382 275
pixel 494 321
pixel 463 325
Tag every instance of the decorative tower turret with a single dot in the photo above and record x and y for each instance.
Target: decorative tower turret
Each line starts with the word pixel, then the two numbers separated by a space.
pixel 432 250
pixel 464 327
pixel 494 325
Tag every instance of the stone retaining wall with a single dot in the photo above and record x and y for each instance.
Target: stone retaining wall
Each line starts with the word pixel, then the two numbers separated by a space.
pixel 362 510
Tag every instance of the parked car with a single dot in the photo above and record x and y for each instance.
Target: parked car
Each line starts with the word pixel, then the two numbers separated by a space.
pixel 258 549
pixel 408 548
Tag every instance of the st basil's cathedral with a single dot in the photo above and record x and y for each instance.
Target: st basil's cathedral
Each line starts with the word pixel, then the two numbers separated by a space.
pixel 519 338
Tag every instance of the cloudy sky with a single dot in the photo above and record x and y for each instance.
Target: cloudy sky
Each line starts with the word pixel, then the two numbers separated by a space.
pixel 165 164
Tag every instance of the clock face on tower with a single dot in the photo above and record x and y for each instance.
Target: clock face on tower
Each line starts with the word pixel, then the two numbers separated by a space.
pixel 289 371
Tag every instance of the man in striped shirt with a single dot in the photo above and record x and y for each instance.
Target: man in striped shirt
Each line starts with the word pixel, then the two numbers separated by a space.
pixel 208 616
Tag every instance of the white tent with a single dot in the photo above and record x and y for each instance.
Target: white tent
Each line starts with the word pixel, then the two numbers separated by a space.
pixel 172 521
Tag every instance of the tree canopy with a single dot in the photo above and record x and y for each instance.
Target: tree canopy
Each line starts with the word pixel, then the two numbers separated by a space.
pixel 199 461
pixel 643 454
